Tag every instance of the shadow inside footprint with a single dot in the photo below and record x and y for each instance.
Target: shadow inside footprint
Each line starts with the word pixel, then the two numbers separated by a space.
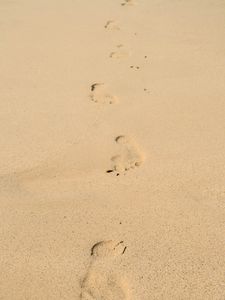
pixel 111 25
pixel 127 2
pixel 107 249
pixel 120 52
pixel 99 94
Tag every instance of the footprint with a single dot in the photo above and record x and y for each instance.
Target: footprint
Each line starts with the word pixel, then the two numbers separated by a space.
pixel 111 25
pixel 135 67
pixel 103 280
pixel 147 90
pixel 107 249
pixel 128 2
pixel 129 156
pixel 99 94
pixel 119 53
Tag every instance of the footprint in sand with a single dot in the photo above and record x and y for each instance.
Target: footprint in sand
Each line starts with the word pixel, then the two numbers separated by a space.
pixel 100 94
pixel 120 52
pixel 111 25
pixel 129 156
pixel 103 280
pixel 128 2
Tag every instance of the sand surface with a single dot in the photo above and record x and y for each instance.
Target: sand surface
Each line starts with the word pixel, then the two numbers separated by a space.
pixel 112 149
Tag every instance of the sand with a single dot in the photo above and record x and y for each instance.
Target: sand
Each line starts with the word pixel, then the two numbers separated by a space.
pixel 112 149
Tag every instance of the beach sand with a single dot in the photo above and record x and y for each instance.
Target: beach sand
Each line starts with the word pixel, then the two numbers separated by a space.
pixel 112 149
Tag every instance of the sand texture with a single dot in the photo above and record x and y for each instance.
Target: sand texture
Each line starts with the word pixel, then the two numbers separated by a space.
pixel 112 149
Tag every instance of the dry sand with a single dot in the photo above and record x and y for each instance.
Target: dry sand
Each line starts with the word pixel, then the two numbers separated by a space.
pixel 112 148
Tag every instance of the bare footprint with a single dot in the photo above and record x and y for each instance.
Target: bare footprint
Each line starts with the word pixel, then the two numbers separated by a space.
pixel 99 94
pixel 111 25
pixel 119 53
pixel 128 2
pixel 102 280
pixel 129 156
pixel 107 249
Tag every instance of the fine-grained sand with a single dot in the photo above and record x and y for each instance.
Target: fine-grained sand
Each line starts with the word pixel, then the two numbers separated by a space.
pixel 112 149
